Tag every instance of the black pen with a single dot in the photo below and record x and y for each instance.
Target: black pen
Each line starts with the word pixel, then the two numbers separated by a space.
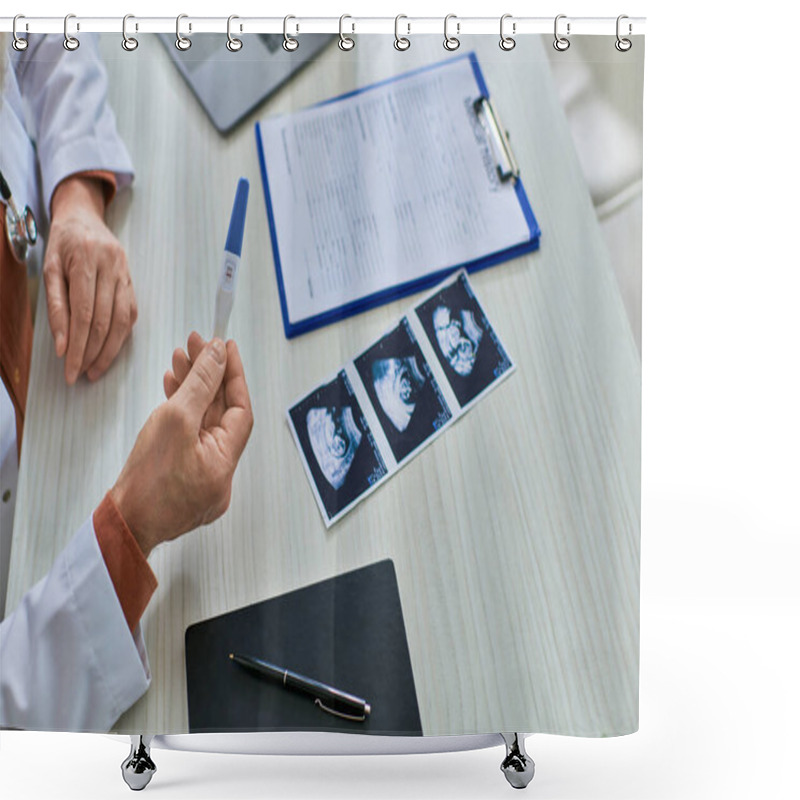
pixel 319 691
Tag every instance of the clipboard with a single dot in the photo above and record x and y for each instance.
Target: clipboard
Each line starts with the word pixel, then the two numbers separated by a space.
pixel 504 166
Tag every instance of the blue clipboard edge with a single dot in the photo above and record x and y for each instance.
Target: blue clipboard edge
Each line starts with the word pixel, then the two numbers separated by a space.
pixel 292 329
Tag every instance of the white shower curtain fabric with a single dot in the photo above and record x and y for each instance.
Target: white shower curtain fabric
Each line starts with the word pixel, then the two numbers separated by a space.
pixel 426 268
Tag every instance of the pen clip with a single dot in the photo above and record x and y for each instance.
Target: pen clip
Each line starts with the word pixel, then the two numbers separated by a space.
pixel 351 717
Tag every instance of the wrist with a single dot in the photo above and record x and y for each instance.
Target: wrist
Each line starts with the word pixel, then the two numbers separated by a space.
pixel 143 537
pixel 78 191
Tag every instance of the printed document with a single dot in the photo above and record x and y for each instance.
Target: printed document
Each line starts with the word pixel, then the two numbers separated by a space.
pixel 384 187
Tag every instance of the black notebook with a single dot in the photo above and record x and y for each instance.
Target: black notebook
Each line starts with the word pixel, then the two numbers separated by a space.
pixel 347 632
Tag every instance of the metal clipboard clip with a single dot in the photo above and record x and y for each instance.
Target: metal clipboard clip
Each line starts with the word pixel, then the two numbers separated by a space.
pixel 507 167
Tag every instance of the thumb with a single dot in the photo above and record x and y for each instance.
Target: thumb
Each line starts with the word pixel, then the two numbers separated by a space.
pixel 200 387
pixel 57 301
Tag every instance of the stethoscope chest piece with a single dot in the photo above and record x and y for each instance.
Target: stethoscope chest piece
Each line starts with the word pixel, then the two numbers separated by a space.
pixel 21 229
pixel 21 232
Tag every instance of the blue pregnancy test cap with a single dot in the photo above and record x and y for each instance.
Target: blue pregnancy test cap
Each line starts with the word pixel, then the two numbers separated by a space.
pixel 233 244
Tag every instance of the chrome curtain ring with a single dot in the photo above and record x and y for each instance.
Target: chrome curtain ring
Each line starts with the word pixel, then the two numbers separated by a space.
pixel 19 44
pixel 345 42
pixel 401 43
pixel 181 42
pixel 561 43
pixel 290 44
pixel 129 43
pixel 507 42
pixel 623 45
pixel 70 42
pixel 451 42
pixel 233 44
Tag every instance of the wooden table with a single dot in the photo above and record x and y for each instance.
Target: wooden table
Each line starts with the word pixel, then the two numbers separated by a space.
pixel 515 536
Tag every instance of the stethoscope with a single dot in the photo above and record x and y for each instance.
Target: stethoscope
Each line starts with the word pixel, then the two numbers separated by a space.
pixel 21 230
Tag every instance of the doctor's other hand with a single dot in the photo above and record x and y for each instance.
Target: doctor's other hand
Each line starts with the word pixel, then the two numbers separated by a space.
pixel 91 305
pixel 180 471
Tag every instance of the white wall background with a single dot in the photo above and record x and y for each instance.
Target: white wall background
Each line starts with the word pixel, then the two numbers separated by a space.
pixel 720 525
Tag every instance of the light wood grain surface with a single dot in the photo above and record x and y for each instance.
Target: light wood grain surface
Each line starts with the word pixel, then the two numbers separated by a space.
pixel 515 536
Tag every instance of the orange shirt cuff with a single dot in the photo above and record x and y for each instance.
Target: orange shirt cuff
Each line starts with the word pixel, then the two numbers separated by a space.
pixel 105 177
pixel 134 581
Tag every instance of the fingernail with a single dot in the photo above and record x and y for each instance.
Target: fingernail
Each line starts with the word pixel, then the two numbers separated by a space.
pixel 60 344
pixel 218 350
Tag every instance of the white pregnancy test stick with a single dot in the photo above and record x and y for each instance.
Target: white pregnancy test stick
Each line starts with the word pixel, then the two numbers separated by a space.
pixel 226 286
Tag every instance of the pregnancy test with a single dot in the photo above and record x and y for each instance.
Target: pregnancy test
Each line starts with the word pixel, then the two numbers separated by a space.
pixel 226 286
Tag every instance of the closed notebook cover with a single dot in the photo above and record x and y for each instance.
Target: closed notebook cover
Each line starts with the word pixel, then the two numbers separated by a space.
pixel 347 632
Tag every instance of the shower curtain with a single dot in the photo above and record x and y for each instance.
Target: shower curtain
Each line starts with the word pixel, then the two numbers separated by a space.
pixel 402 497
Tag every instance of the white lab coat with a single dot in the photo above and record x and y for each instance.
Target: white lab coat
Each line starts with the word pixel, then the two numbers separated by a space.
pixel 67 658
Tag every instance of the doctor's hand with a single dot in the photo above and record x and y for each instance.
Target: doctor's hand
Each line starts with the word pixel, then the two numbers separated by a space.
pixel 90 301
pixel 180 471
